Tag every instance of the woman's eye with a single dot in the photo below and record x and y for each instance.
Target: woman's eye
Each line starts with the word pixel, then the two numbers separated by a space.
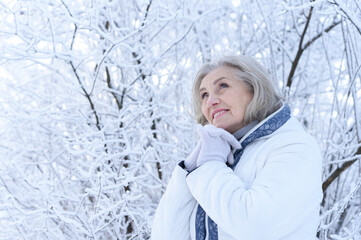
pixel 204 95
pixel 224 85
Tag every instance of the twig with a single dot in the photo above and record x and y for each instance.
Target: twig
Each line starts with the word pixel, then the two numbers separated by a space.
pixel 338 171
pixel 300 50
pixel 87 96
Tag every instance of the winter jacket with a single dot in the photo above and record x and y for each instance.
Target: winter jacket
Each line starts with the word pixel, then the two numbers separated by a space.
pixel 274 192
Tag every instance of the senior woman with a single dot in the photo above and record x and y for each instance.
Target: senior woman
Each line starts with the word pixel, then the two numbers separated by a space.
pixel 255 172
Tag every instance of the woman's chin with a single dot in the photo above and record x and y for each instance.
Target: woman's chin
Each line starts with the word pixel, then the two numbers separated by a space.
pixel 220 125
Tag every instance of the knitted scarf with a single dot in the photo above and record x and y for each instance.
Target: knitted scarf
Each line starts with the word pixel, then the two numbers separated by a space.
pixel 269 125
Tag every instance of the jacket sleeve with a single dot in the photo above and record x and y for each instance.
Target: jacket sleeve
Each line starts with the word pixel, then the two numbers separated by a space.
pixel 283 195
pixel 172 217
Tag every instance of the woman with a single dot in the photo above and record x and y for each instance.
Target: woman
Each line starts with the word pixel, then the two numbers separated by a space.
pixel 254 174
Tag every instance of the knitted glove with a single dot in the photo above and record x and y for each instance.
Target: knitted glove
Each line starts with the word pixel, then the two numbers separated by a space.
pixel 191 162
pixel 216 145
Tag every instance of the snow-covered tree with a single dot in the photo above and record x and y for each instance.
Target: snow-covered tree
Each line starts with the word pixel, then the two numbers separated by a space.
pixel 95 102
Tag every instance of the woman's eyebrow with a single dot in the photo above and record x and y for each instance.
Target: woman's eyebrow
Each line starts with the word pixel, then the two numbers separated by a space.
pixel 214 83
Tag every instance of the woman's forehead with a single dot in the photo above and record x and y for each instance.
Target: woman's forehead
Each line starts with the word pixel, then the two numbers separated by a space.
pixel 223 72
pixel 216 74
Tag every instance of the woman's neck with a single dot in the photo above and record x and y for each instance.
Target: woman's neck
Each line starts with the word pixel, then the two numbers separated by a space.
pixel 242 131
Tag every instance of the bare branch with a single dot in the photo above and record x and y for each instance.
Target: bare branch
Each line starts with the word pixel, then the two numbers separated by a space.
pixel 336 173
pixel 300 50
pixel 97 123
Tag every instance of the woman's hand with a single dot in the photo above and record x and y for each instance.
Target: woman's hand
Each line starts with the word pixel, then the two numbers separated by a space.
pixel 216 145
pixel 191 162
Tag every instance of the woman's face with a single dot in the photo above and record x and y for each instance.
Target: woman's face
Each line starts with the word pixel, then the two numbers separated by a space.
pixel 224 99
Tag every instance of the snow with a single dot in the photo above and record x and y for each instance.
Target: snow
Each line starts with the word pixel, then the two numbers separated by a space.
pixel 95 99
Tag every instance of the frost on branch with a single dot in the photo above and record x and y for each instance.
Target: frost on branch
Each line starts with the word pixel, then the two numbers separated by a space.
pixel 95 96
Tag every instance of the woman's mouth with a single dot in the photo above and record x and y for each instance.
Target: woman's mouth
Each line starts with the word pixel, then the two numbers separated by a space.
pixel 218 114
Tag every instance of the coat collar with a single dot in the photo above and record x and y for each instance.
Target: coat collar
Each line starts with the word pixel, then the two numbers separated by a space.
pixel 282 112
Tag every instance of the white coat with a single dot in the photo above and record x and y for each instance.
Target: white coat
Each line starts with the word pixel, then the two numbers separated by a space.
pixel 274 193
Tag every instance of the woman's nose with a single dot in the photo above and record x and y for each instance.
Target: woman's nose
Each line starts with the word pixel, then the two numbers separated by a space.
pixel 212 100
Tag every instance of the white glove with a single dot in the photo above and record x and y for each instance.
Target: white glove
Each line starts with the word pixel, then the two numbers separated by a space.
pixel 216 145
pixel 191 162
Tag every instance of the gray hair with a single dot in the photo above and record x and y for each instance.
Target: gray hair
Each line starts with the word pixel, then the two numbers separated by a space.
pixel 266 97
